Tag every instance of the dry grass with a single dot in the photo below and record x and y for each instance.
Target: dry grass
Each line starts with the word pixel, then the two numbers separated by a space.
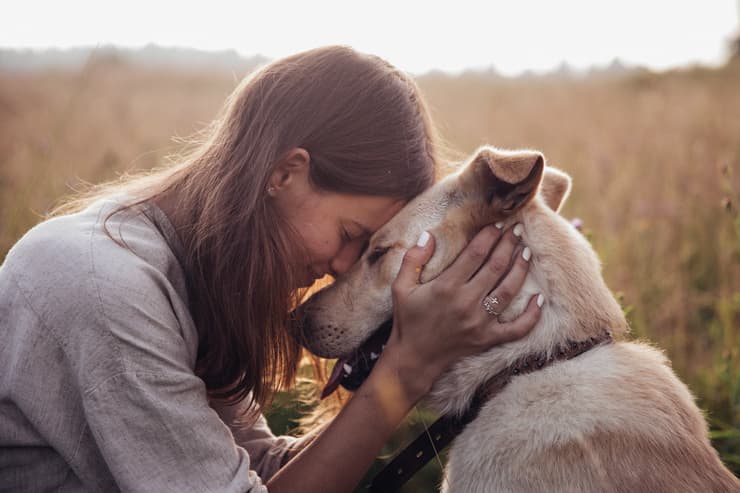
pixel 655 161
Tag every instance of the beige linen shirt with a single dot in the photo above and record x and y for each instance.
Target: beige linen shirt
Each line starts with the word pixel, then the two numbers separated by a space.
pixel 97 351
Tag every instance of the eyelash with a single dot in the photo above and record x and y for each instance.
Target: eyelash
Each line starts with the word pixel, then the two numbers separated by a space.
pixel 376 254
pixel 348 238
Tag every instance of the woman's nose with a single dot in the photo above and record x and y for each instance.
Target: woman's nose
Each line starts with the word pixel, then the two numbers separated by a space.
pixel 346 257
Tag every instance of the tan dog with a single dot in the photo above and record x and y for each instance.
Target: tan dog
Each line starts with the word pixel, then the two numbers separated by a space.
pixel 615 418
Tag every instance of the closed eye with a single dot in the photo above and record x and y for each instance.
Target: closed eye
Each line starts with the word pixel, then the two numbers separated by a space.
pixel 376 254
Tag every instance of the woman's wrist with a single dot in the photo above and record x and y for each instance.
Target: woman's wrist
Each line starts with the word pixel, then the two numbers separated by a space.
pixel 338 458
pixel 408 379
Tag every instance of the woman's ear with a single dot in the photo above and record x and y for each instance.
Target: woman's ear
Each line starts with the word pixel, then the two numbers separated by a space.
pixel 291 171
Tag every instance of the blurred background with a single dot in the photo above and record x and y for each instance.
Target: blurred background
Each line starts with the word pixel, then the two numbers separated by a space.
pixel 638 101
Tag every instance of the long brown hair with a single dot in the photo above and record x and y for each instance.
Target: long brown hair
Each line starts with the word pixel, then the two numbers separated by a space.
pixel 367 131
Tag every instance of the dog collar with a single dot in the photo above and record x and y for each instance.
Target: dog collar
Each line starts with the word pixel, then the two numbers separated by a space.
pixel 446 428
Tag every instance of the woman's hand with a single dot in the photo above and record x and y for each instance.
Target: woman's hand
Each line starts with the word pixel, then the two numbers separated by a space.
pixel 444 320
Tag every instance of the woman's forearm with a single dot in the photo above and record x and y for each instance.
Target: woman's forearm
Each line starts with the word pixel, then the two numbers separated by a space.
pixel 341 455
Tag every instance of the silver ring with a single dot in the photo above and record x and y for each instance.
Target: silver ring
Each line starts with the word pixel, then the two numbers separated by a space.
pixel 490 304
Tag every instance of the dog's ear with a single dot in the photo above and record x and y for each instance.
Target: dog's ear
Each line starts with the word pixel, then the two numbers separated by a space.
pixel 508 179
pixel 555 187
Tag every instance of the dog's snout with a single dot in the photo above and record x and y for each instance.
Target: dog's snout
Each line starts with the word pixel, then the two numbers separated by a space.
pixel 325 341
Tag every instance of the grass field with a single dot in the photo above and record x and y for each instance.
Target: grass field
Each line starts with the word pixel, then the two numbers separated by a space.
pixel 655 160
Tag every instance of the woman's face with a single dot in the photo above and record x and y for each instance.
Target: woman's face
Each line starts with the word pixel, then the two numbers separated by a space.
pixel 334 228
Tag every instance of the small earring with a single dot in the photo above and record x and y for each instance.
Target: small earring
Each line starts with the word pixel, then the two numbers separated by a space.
pixel 271 190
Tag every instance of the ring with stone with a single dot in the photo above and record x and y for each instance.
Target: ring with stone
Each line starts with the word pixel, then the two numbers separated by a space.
pixel 491 304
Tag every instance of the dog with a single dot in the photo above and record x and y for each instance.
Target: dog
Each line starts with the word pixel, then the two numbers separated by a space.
pixel 613 419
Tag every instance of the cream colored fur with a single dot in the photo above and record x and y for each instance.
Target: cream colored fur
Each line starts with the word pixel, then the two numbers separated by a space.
pixel 615 419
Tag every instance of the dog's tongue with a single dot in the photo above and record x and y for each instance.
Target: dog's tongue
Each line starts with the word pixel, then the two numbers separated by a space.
pixel 335 378
pixel 352 370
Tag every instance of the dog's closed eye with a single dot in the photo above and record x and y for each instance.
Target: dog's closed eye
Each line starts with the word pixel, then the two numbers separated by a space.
pixel 376 254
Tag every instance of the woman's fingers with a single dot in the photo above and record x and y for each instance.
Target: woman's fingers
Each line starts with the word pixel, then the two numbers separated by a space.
pixel 492 271
pixel 413 262
pixel 472 257
pixel 446 327
pixel 500 333
pixel 514 279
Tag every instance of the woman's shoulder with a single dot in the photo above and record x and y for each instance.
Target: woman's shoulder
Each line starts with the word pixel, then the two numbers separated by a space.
pixel 96 254
pixel 67 245
pixel 92 275
pixel 56 246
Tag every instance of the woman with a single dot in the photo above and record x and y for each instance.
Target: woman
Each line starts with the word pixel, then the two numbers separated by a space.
pixel 141 332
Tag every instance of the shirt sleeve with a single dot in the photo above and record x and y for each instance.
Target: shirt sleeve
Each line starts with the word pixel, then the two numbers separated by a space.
pixel 267 452
pixel 156 432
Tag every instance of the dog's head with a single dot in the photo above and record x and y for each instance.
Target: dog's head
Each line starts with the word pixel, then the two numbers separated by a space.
pixel 494 185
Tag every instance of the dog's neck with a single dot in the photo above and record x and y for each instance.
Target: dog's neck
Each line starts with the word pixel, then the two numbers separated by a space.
pixel 578 305
pixel 441 433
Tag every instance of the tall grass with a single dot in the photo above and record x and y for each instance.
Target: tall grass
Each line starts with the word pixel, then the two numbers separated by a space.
pixel 655 160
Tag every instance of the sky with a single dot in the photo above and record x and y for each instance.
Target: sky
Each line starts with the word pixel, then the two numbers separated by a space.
pixel 510 36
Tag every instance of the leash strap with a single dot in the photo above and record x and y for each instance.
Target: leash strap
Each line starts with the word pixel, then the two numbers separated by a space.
pixel 445 429
pixel 416 455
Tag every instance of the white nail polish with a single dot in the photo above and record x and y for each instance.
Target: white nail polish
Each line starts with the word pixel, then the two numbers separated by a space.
pixel 540 300
pixel 526 254
pixel 518 229
pixel 499 225
pixel 423 239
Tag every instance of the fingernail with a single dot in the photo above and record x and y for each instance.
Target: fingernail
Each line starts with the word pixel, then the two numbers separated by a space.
pixel 499 225
pixel 423 239
pixel 540 300
pixel 526 254
pixel 518 230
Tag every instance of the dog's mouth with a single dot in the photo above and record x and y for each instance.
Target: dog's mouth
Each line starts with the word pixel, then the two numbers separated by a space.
pixel 350 371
